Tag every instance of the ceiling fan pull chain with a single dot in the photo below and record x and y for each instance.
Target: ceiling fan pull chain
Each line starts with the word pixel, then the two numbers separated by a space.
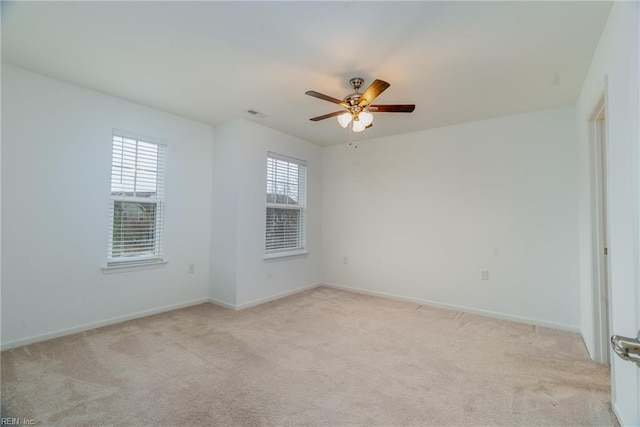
pixel 351 143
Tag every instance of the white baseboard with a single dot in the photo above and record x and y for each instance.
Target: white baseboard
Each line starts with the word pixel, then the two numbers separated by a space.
pixel 616 412
pixel 114 320
pixel 94 325
pixel 487 313
pixel 259 301
pixel 222 304
pixel 252 303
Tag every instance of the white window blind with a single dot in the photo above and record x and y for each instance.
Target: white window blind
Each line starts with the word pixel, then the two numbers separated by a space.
pixel 286 203
pixel 137 200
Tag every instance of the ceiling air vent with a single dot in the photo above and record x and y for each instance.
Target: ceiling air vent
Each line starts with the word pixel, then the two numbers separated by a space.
pixel 257 113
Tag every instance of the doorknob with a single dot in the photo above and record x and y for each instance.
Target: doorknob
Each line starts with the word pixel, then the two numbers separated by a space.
pixel 627 348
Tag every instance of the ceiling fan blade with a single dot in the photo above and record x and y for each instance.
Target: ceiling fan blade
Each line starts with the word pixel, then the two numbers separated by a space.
pixel 326 97
pixel 369 126
pixel 396 108
pixel 326 116
pixel 374 89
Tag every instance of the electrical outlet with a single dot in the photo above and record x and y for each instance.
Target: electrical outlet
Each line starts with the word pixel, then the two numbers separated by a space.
pixel 484 274
pixel 191 269
pixel 345 260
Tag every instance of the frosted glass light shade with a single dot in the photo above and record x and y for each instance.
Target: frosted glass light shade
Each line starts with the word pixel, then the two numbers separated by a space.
pixel 344 119
pixel 366 118
pixel 358 126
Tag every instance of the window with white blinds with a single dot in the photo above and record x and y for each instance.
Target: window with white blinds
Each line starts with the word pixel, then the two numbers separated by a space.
pixel 286 204
pixel 137 200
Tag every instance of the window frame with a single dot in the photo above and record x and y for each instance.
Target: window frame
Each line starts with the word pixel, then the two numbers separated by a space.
pixel 148 259
pixel 300 206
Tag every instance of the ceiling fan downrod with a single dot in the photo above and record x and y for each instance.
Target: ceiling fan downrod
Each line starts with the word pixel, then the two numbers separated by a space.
pixel 353 98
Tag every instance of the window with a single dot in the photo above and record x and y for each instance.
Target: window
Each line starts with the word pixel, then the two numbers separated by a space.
pixel 286 204
pixel 136 205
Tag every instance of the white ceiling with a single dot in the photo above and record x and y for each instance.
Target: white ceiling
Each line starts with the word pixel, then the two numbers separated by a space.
pixel 212 61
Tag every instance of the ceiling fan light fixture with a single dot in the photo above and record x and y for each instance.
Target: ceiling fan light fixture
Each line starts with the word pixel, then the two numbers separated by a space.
pixel 358 125
pixel 344 119
pixel 366 118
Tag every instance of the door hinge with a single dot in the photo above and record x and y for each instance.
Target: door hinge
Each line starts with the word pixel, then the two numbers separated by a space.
pixel 606 251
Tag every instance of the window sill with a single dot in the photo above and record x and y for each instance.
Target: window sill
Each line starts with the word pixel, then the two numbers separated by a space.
pixel 287 254
pixel 126 267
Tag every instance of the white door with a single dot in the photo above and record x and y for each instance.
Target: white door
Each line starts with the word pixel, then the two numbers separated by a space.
pixel 625 370
pixel 624 238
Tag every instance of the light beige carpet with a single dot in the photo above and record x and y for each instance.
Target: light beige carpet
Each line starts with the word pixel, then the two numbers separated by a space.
pixel 322 357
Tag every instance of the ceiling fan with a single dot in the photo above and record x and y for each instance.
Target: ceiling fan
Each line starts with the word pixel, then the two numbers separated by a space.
pixel 358 106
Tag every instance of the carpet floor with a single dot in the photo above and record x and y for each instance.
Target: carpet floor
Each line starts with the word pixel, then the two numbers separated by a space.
pixel 321 357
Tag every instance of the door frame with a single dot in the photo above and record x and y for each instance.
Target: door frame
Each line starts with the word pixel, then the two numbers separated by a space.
pixel 600 280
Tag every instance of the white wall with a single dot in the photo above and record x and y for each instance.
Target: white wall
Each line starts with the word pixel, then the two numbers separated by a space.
pixel 56 154
pixel 420 215
pixel 224 219
pixel 616 58
pixel 241 152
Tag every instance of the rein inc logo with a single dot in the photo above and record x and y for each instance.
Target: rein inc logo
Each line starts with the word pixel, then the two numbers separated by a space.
pixel 5 421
